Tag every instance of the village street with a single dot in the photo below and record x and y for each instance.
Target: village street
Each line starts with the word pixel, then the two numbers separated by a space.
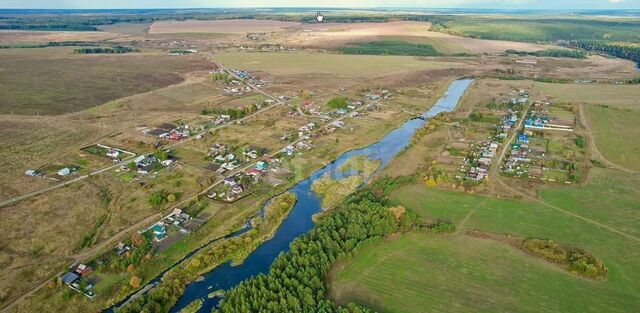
pixel 94 251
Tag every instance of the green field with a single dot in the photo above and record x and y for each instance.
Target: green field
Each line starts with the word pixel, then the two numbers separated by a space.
pixel 49 81
pixel 457 273
pixel 616 132
pixel 349 65
pixel 620 96
pixel 419 272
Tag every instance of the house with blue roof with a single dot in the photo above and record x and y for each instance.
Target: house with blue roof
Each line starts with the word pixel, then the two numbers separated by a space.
pixel 159 231
pixel 523 138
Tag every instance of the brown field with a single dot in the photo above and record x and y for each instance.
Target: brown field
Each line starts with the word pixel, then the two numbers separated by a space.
pixel 337 34
pixel 620 96
pixel 24 37
pixel 219 26
pixel 119 93
pixel 55 80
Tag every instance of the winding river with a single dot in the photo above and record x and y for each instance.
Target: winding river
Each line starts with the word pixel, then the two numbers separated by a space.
pixel 299 220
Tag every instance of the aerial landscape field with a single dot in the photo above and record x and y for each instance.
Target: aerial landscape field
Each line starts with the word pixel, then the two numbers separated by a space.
pixel 281 159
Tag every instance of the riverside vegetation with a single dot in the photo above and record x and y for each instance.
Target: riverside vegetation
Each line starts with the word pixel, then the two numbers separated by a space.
pixel 166 294
pixel 333 191
pixel 294 282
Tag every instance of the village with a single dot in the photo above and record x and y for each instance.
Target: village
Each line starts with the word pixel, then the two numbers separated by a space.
pixel 236 169
pixel 547 147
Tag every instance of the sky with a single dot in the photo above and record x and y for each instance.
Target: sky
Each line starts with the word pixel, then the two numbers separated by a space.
pixel 484 4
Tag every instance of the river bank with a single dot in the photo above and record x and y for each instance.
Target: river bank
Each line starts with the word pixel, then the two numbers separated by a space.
pixel 299 221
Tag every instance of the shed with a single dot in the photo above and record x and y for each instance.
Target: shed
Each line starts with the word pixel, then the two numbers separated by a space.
pixel 69 278
pixel 64 171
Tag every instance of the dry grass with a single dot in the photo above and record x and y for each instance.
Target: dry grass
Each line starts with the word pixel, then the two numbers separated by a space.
pixel 620 96
pixel 337 34
pixel 67 82
pixel 30 37
pixel 218 26
pixel 347 65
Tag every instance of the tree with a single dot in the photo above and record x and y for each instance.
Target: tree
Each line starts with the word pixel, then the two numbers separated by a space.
pixel 131 268
pixel 138 240
pixel 135 282
pixel 305 95
pixel 161 155
pixel 338 102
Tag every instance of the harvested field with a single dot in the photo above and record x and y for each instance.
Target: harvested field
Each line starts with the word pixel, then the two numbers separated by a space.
pixel 126 28
pixel 620 96
pixel 219 26
pixel 54 81
pixel 338 34
pixel 348 65
pixel 8 37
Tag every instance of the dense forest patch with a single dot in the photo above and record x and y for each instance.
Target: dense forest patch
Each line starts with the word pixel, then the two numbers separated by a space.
pixel 389 48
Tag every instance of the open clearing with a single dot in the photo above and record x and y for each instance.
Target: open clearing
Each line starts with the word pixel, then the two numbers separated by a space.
pixel 620 96
pixel 460 274
pixel 616 132
pixel 419 272
pixel 218 26
pixel 10 37
pixel 348 65
pixel 55 80
pixel 336 34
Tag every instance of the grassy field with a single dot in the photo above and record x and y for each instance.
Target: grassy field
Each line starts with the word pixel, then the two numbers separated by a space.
pixel 621 96
pixel 610 197
pixel 348 65
pixel 54 80
pixel 126 28
pixel 218 26
pixel 616 133
pixel 539 29
pixel 461 274
pixel 419 272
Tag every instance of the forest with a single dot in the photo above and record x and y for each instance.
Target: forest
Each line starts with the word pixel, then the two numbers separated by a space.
pixel 556 53
pixel 389 48
pixel 295 281
pixel 622 50
pixel 112 50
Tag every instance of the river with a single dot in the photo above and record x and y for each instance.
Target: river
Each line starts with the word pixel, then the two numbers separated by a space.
pixel 299 220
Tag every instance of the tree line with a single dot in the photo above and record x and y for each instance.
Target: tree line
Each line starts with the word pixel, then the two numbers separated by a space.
pixel 111 50
pixel 622 50
pixel 390 47
pixel 556 53
pixel 295 281
pixel 234 113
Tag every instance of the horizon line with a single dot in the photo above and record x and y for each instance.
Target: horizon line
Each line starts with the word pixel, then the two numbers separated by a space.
pixel 330 8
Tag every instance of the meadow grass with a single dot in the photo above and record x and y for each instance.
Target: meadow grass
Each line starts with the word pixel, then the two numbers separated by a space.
pixel 620 96
pixel 616 134
pixel 418 272
pixel 348 65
